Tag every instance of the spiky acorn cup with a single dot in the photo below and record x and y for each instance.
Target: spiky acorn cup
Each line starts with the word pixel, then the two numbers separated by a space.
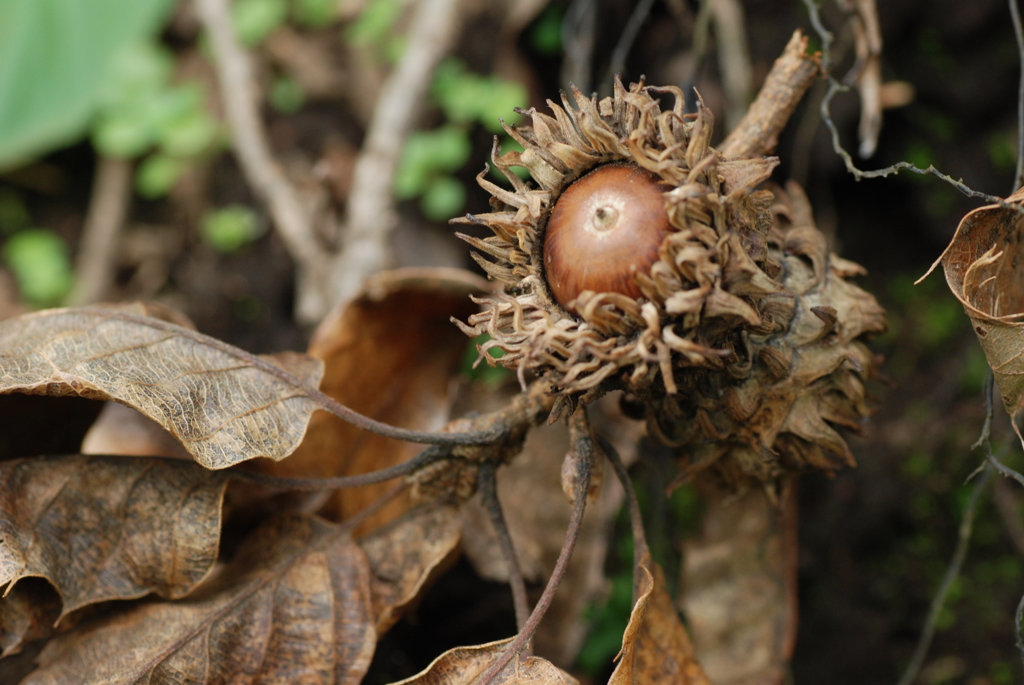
pixel 641 260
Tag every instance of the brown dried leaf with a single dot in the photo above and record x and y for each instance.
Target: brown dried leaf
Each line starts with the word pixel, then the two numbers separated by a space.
pixel 390 355
pixel 984 265
pixel 655 646
pixel 292 607
pixel 223 404
pixel 462 665
pixel 98 529
pixel 405 554
pixel 739 580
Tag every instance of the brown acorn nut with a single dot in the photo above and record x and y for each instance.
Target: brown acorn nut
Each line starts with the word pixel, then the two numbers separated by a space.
pixel 603 229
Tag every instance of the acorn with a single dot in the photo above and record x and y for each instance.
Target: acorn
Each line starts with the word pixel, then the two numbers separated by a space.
pixel 603 229
pixel 637 258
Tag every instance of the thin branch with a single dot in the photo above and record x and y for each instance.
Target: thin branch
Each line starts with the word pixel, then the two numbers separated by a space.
pixel 758 132
pixel 488 487
pixel 640 548
pixel 108 207
pixel 521 412
pixel 952 571
pixel 859 174
pixel 1018 31
pixel 248 137
pixel 432 454
pixel 585 449
pixel 617 65
pixel 371 214
pixel 578 36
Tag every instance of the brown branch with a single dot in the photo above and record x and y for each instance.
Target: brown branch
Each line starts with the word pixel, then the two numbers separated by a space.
pixel 108 207
pixel 1006 504
pixel 585 448
pixel 758 133
pixel 488 487
pixel 249 140
pixel 371 212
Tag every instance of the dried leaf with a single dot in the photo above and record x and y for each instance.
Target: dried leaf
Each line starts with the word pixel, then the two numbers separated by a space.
pixel 390 355
pixel 739 581
pixel 292 607
pixel 462 665
pixel 984 265
pixel 655 646
pixel 405 554
pixel 101 528
pixel 222 403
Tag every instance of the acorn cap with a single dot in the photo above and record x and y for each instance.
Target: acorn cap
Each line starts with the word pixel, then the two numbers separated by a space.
pixel 639 259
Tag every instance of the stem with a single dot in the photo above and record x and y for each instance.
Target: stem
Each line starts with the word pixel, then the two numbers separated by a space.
pixel 585 448
pixel 487 485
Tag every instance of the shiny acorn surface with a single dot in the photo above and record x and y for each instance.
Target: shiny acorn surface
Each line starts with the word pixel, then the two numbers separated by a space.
pixel 604 228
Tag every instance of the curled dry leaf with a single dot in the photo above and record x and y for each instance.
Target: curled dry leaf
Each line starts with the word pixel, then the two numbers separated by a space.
pixel 655 646
pixel 224 405
pixel 739 585
pixel 390 354
pixel 293 606
pixel 98 529
pixel 984 265
pixel 405 554
pixel 462 666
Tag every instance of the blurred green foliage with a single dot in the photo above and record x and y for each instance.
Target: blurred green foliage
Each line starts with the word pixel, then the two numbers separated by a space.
pixel 429 158
pixel 546 35
pixel 286 95
pixel 482 372
pixel 56 57
pixel 38 258
pixel 140 109
pixel 230 228
pixel 254 20
pixel 465 97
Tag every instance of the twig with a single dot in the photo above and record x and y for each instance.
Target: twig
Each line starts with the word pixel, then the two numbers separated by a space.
pixel 108 206
pixel 733 58
pixel 578 29
pixel 640 549
pixel 1018 31
pixel 371 212
pixel 859 174
pixel 488 488
pixel 792 74
pixel 248 137
pixel 952 571
pixel 585 449
pixel 617 65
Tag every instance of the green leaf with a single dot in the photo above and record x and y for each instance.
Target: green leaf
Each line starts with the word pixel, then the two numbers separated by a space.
pixel 189 135
pixel 55 56
pixel 443 198
pixel 315 13
pixel 229 228
pixel 39 261
pixel 374 23
pixel 14 214
pixel 286 95
pixel 256 19
pixel 157 175
pixel 428 154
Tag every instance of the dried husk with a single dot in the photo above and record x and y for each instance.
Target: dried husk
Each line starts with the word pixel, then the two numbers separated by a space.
pixel 747 338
